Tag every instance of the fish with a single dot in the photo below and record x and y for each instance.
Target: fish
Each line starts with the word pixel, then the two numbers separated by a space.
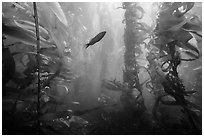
pixel 97 38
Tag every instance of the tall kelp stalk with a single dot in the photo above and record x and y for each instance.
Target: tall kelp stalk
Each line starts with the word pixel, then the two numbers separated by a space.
pixel 38 59
pixel 171 39
pixel 133 37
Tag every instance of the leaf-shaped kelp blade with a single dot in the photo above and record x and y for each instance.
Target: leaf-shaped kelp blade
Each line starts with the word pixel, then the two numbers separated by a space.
pixel 23 35
pixel 192 47
pixel 18 5
pixel 75 103
pixel 66 122
pixel 192 27
pixel 198 68
pixel 31 26
pixel 191 54
pixel 179 25
pixel 188 46
pixel 189 92
pixel 181 35
pixel 78 120
pixel 31 53
pixel 194 105
pixel 189 6
pixel 166 20
pixel 9 11
pixel 196 33
pixel 19 33
pixel 56 8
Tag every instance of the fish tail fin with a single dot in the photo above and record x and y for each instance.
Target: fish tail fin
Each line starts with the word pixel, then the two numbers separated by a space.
pixel 86 46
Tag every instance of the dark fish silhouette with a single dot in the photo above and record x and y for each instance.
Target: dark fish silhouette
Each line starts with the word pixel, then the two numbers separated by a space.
pixel 97 38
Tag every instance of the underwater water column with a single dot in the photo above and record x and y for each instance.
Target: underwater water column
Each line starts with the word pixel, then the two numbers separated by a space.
pixel 111 54
pixel 104 60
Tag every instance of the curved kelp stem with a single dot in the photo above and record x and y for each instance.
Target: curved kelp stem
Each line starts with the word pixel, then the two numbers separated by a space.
pixel 38 60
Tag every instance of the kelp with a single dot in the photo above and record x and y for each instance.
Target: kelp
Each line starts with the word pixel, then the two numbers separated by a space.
pixel 175 29
pixel 172 28
pixel 22 28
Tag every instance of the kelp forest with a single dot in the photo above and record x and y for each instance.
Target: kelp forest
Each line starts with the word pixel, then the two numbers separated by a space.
pixel 101 68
